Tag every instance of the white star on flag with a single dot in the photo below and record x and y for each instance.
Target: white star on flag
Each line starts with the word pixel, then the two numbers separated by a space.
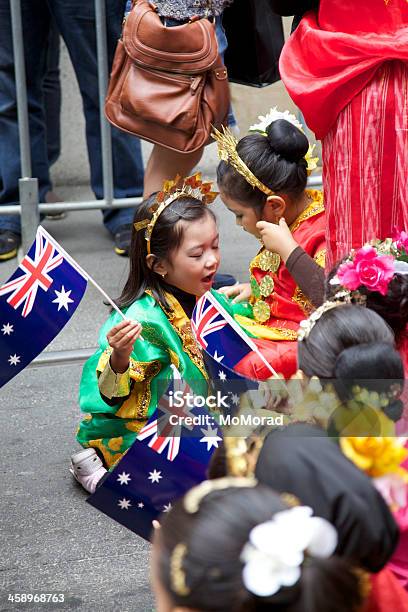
pixel 210 437
pixel 222 376
pixel 14 359
pixel 62 298
pixel 140 505
pixel 124 504
pixel 155 476
pixel 167 507
pixel 235 399
pixel 217 357
pixel 124 478
pixel 7 329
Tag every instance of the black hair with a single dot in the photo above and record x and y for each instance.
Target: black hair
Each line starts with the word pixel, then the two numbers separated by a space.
pixel 215 536
pixel 392 307
pixel 353 346
pixel 277 160
pixel 166 238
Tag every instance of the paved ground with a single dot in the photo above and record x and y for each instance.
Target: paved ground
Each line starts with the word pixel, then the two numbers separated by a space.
pixel 51 540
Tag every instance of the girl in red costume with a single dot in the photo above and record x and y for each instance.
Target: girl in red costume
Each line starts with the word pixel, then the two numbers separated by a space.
pixel 346 67
pixel 262 180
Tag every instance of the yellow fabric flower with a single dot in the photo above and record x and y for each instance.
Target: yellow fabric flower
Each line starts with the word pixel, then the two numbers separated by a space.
pixel 376 456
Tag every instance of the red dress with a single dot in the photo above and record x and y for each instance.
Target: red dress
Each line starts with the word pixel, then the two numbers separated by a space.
pixel 278 304
pixel 347 70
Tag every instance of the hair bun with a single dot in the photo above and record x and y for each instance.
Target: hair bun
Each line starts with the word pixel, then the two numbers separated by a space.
pixel 287 140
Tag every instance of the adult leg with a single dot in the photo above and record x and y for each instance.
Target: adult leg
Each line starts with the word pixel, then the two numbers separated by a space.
pixel 35 18
pixel 52 95
pixel 365 157
pixel 76 22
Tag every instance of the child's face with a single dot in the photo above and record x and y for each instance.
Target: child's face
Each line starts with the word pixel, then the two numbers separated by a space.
pixel 193 266
pixel 245 216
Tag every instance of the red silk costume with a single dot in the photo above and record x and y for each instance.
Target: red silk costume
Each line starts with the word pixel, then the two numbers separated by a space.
pixel 347 70
pixel 278 303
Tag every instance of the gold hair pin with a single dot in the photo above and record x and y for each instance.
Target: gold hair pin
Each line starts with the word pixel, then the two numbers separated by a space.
pixel 195 496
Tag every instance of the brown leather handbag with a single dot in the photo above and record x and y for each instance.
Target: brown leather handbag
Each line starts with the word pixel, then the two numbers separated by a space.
pixel 168 84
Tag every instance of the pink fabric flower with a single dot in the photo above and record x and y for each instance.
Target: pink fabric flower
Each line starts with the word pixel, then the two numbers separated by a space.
pixel 401 240
pixel 368 269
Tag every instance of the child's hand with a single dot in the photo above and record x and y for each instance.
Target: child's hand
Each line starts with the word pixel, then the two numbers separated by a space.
pixel 121 339
pixel 277 238
pixel 241 292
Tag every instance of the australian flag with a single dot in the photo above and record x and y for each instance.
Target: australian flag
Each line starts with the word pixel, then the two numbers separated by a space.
pixel 36 302
pixel 160 466
pixel 217 332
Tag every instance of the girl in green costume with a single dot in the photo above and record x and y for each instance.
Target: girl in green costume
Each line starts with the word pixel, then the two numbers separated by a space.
pixel 173 260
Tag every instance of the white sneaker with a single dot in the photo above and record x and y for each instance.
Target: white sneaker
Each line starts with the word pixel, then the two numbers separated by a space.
pixel 87 468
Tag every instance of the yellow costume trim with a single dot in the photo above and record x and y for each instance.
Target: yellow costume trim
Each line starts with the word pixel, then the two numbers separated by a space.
pixel 137 404
pixel 109 458
pixel 315 208
pixel 320 258
pixel 110 383
pixel 304 302
pixel 263 331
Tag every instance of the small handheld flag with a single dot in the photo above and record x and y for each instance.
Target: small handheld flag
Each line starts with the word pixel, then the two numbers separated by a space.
pixel 36 302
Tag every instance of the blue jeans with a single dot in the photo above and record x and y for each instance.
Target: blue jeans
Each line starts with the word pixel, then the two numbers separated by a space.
pixel 75 20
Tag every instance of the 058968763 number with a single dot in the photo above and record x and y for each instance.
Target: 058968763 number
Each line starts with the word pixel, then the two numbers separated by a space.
pixel 36 597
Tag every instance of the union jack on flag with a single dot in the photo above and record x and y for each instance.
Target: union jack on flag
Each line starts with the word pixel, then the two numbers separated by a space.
pixel 162 432
pixel 35 275
pixel 36 303
pixel 217 332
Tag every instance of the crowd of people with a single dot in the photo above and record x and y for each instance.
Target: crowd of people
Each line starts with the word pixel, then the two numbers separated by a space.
pixel 310 516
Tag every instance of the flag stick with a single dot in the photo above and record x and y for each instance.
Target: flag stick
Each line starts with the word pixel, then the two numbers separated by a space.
pixel 85 274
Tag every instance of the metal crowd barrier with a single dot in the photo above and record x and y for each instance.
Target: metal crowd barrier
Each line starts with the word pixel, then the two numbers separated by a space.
pixel 30 207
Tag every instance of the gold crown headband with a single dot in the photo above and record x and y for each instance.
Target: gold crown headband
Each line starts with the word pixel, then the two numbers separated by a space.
pixel 192 186
pixel 227 151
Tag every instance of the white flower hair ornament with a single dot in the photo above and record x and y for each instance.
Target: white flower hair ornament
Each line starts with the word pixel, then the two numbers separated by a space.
pixel 273 115
pixel 276 549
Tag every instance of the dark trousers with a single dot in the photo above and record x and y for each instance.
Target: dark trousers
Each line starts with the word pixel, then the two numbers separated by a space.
pixel 75 20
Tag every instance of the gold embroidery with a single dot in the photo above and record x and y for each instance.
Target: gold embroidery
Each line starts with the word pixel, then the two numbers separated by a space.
pixel 261 311
pixel 107 456
pixel 268 261
pixel 137 404
pixel 300 298
pixel 320 257
pixel 115 443
pixel 284 334
pixel 174 358
pixel 315 208
pixel 266 286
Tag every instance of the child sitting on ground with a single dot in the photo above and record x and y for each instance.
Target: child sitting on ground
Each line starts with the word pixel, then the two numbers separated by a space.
pixel 173 260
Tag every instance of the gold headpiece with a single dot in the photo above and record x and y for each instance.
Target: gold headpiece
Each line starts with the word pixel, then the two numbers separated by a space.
pixel 192 186
pixel 227 151
pixel 195 496
pixel 177 574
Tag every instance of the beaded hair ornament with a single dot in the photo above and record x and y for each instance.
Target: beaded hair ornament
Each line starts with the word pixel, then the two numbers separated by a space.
pixel 191 186
pixel 227 147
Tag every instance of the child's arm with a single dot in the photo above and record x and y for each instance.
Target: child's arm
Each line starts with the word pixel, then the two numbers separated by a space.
pixel 114 381
pixel 306 272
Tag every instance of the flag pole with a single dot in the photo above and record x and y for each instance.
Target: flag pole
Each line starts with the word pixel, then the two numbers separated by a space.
pixel 85 274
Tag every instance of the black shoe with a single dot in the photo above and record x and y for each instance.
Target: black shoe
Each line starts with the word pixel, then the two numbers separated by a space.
pixel 122 240
pixel 9 243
